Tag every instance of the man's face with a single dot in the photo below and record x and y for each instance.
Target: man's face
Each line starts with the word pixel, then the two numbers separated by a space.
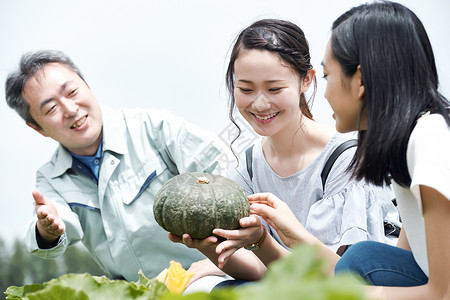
pixel 65 108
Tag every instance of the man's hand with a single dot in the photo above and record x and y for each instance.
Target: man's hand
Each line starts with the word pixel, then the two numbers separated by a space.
pixel 49 225
pixel 206 245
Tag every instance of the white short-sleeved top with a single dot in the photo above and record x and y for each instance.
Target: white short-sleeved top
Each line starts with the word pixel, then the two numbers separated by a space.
pixel 428 159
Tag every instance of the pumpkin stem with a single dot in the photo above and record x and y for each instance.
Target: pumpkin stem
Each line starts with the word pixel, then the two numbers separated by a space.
pixel 203 180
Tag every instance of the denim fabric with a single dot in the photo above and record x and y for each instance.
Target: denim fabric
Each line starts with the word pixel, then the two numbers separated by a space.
pixel 231 283
pixel 382 264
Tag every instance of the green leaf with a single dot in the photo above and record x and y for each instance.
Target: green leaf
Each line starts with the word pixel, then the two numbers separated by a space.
pixel 57 292
pixel 85 286
pixel 15 292
pixel 297 276
pixel 304 263
pixel 143 280
pixel 301 275
pixel 222 294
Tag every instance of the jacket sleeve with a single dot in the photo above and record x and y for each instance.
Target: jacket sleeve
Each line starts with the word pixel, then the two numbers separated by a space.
pixel 186 147
pixel 73 231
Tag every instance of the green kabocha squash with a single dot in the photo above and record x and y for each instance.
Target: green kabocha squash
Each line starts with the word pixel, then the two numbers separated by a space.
pixel 196 203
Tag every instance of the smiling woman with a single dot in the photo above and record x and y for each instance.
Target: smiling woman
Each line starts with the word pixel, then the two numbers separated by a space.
pixel 267 91
pixel 268 75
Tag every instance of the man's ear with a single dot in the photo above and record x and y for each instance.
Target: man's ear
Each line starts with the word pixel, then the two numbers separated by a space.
pixel 37 128
pixel 307 80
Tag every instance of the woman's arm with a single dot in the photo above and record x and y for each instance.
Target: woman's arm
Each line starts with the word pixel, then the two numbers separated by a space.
pixel 436 212
pixel 403 240
pixel 242 264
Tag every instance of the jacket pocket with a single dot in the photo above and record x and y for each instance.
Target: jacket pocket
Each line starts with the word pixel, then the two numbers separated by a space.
pixel 135 185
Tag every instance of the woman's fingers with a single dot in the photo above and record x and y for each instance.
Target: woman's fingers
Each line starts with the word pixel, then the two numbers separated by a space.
pixel 264 211
pixel 228 244
pixel 224 256
pixel 264 198
pixel 250 221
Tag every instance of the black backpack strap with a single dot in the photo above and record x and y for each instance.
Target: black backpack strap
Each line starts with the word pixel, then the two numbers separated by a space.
pixel 249 159
pixel 338 151
pixel 389 228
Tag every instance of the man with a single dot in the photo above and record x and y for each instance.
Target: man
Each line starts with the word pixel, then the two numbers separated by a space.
pixel 99 185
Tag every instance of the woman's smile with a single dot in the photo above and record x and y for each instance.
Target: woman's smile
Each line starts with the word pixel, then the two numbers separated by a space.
pixel 265 118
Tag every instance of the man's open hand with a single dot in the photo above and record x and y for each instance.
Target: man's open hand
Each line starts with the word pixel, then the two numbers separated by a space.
pixel 49 224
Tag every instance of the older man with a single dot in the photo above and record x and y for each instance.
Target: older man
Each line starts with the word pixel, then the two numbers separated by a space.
pixel 99 185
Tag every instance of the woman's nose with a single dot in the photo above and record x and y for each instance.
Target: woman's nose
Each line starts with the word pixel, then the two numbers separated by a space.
pixel 261 102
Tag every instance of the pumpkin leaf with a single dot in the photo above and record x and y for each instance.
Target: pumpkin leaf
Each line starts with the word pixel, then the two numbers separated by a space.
pixel 297 276
pixel 15 292
pixel 85 286
pixel 222 294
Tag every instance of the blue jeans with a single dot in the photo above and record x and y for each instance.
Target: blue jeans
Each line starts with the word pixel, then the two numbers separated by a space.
pixel 382 264
pixel 232 283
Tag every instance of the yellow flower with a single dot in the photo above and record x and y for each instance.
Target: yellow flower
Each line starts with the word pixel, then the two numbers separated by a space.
pixel 175 278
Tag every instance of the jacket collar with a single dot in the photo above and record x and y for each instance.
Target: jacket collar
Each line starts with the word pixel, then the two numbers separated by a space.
pixel 113 131
pixel 62 161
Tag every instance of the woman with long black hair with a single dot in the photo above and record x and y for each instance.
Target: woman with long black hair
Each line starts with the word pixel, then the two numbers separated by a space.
pixel 382 81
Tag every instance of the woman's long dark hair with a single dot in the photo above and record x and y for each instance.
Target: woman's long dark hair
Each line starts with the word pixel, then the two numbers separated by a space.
pixel 400 80
pixel 281 37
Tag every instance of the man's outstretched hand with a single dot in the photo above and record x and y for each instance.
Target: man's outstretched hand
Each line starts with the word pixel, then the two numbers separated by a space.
pixel 49 225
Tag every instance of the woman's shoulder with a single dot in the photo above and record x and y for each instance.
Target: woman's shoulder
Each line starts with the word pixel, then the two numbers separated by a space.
pixel 339 176
pixel 430 125
pixel 339 139
pixel 431 133
pixel 428 148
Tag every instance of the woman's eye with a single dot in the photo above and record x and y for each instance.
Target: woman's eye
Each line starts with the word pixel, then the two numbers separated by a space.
pixel 274 90
pixel 245 90
pixel 325 76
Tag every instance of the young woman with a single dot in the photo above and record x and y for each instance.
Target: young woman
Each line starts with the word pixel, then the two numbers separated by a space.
pixel 382 80
pixel 268 74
